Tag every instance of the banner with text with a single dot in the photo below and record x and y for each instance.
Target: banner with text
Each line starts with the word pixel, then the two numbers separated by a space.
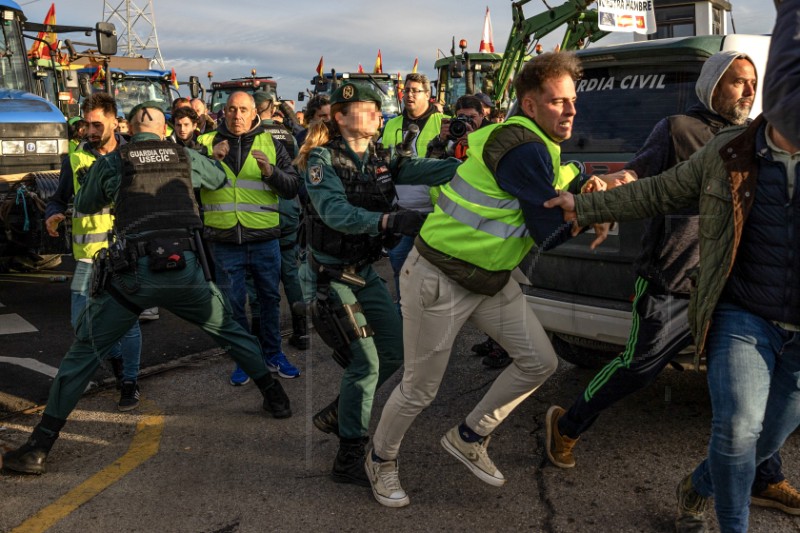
pixel 626 15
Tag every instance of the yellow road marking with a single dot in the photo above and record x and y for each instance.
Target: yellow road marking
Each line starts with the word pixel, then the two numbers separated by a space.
pixel 144 445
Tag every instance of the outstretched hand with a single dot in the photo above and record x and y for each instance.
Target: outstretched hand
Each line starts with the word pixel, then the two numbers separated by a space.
pixel 566 201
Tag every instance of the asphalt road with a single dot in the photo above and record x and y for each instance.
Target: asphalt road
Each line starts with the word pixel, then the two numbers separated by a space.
pixel 201 456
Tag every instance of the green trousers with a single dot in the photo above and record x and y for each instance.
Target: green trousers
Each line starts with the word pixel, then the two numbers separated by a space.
pixel 105 320
pixel 375 358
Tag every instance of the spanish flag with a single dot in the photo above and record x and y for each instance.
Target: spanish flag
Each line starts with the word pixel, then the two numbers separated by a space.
pixel 99 75
pixel 416 64
pixel 320 66
pixel 378 64
pixel 40 49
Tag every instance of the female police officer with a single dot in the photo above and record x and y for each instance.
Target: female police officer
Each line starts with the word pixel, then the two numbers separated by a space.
pixel 352 210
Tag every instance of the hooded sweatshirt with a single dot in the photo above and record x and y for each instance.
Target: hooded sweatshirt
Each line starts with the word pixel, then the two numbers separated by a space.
pixel 670 248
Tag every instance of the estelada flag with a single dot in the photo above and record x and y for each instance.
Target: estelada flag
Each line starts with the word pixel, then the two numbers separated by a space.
pixel 416 64
pixel 378 64
pixel 487 40
pixel 38 48
pixel 174 79
pixel 320 66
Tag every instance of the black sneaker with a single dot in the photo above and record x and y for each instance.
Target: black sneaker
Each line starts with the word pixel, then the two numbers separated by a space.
pixel 483 348
pixel 327 420
pixel 129 396
pixel 275 400
pixel 497 358
pixel 348 467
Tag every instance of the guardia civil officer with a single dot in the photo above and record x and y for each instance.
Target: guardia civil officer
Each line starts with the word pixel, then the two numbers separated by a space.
pixel 150 183
pixel 351 212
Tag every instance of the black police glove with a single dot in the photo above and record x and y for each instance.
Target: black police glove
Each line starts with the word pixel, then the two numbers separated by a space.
pixel 406 222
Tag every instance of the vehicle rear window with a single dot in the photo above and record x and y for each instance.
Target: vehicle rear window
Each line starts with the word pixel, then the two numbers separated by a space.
pixel 619 105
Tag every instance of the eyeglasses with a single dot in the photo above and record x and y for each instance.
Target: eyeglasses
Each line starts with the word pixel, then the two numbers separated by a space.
pixel 415 91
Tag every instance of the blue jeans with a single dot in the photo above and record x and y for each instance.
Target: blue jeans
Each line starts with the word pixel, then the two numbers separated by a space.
pixel 754 383
pixel 397 256
pixel 129 348
pixel 263 260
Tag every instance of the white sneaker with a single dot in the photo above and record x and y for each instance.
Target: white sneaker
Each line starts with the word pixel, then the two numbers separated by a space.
pixel 149 314
pixel 385 481
pixel 474 455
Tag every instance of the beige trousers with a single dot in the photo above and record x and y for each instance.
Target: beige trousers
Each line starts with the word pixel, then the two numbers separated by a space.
pixel 434 309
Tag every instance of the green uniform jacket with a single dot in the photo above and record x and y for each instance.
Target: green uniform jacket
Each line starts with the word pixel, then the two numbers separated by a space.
pixel 326 192
pixel 722 177
pixel 102 181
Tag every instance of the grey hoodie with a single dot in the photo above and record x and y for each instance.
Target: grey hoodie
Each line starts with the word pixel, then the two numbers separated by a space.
pixel 712 71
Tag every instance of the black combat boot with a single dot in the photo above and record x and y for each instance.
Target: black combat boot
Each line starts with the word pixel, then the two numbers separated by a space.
pixel 349 464
pixel 327 420
pixel 31 456
pixel 275 400
pixel 299 338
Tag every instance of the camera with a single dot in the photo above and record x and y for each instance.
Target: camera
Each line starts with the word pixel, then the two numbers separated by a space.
pixel 458 127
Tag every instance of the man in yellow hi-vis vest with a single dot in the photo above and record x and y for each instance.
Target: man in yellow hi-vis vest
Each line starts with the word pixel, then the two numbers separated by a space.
pixel 242 222
pixel 90 234
pixel 485 221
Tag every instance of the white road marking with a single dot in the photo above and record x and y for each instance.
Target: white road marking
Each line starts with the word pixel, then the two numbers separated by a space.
pixel 31 364
pixel 13 323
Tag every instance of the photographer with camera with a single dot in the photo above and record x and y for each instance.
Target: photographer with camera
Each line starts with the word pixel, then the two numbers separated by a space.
pixel 452 138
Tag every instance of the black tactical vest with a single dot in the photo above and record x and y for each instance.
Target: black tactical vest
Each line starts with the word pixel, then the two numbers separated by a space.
pixel 155 191
pixel 280 133
pixel 372 190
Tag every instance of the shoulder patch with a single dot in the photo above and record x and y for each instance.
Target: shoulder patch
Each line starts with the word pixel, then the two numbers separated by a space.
pixel 315 174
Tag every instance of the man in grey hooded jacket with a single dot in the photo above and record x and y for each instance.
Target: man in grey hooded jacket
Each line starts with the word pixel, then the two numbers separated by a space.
pixel 660 325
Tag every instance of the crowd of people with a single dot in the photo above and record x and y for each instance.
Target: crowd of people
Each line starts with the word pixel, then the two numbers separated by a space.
pixel 206 217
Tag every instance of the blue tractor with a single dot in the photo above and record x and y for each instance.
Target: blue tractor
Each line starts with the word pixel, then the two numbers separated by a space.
pixel 33 139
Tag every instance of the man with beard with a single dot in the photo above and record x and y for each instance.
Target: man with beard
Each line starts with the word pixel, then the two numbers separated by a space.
pixel 90 233
pixel 670 252
pixel 418 111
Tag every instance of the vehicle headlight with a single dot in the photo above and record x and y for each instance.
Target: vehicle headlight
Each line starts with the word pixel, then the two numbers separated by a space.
pixel 47 147
pixel 13 147
pixel 63 146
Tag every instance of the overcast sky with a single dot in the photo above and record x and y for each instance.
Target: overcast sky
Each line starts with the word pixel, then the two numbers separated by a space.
pixel 286 39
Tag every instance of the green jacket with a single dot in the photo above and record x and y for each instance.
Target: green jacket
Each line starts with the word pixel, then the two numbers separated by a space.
pixel 102 181
pixel 326 191
pixel 722 177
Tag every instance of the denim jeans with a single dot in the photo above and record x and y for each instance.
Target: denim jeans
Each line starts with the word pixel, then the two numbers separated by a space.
pixel 129 348
pixel 754 383
pixel 263 260
pixel 397 256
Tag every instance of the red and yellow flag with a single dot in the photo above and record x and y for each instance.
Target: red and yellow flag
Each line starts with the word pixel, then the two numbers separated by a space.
pixel 320 66
pixel 40 49
pixel 174 79
pixel 99 75
pixel 416 65
pixel 378 64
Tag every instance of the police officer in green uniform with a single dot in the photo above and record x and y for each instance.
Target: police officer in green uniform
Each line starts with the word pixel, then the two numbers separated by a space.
pixel 154 261
pixel 351 213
